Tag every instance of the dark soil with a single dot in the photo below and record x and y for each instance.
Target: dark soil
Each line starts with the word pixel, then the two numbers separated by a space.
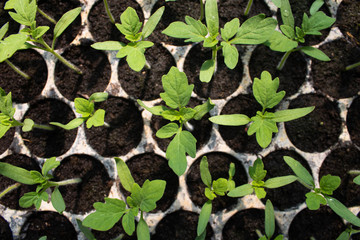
pixel 236 137
pixel 114 232
pixel 224 82
pixel 219 168
pixel 243 225
pixel 331 77
pixel 180 225
pixel 201 131
pixel 151 166
pixel 174 11
pixel 95 184
pixel 353 121
pixel 45 143
pixel 339 163
pixel 55 9
pixel 318 130
pixel 291 78
pixel 5 231
pixel 348 19
pixel 289 196
pixel 299 7
pixel 146 84
pixel 95 67
pixel 124 133
pixel 50 224
pixel 11 200
pixel 14 27
pixel 322 224
pixel 23 90
pixel 100 26
pixel 6 140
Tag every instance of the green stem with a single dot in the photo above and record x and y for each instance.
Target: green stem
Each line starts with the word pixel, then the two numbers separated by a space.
pixel 44 127
pixel 352 66
pixel 283 60
pixel 354 172
pixel 258 233
pixel 248 7
pixel 46 16
pixel 9 189
pixel 108 12
pixel 201 10
pixel 18 70
pixel 66 182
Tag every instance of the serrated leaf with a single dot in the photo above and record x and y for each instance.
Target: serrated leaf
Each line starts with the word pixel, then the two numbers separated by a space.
pixel 291 114
pixel 187 114
pixel 280 43
pixel 314 200
pixel 97 119
pixel 65 21
pixel 151 192
pixel 28 125
pixel 231 119
pixel 203 109
pixel 108 45
pixel 341 210
pixel 204 172
pixel 126 180
pixel 315 53
pixel 70 125
pixel 212 17
pixel 231 55
pixel 29 199
pixel 264 128
pixel 49 164
pixel 316 23
pixel 277 182
pixel 57 200
pixel 25 12
pixel 230 29
pixel 204 217
pixel 269 219
pixel 128 223
pixel 11 44
pixel 300 171
pixel 220 186
pixel 142 230
pixel 207 70
pixel 286 13
pixel 167 131
pixel 260 192
pixel 257 172
pixel 329 183
pixel 241 191
pixel 10 4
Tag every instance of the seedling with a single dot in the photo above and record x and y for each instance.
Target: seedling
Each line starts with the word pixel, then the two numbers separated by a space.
pixel 269 223
pixel 213 189
pixel 86 107
pixel 42 180
pixel 257 174
pixel 176 96
pixel 264 123
pixel 25 13
pixel 130 27
pixel 345 235
pixel 291 36
pixel 142 199
pixel 255 30
pixel 322 195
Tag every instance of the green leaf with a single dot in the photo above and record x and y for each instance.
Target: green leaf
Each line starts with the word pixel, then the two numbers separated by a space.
pixel 86 231
pixel 152 22
pixel 212 17
pixel 241 191
pixel 167 131
pixel 269 219
pixel 4 30
pixel 99 96
pixel 172 115
pixel 329 183
pixel 17 174
pixel 209 194
pixel 40 31
pixel 345 235
pixel 231 55
pixel 260 192
pixel 315 6
pixel 157 110
pixel 28 125
pixel 128 223
pixel 32 198
pixel 97 119
pixel 135 58
pixel 142 230
pixel 230 120
pixel 315 53
pixel 316 23
pixel 277 3
pixel 10 4
pixel 203 109
pixel 25 12
pixel 314 200
pixel 4 129
pixel 202 236
pixel 204 217
pixel 193 31
pixel 280 43
pixel 130 24
pixel 84 107
pixel 187 114
pixel 151 192
pixel 300 171
pixel 126 180
pixel 255 30
pixel 357 180
pixel 65 21
pixel 257 172
pixel 265 90
pixel 231 170
pixel 220 186
pixel 204 172
pixel 291 114
pixel 11 44
pixel 279 237
pixel 263 127
pixel 207 70
pixel 57 200
pixel 230 29
pixel 108 45
pixel 106 214
pixel 286 13
pixel 342 211
pixel 49 164
pixel 288 31
pixel 70 125
pixel 277 182
pixel 177 90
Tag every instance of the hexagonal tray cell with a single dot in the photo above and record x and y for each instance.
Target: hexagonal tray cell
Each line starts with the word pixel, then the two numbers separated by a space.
pixel 201 129
pixel 6 140
pixel 174 11
pixel 151 166
pixel 101 28
pixel 179 225
pixel 338 163
pixel 50 224
pixel 318 130
pixel 331 77
pixel 322 224
pixel 124 130
pixel 347 19
pixel 224 82
pixel 146 84
pixel 55 9
pixel 5 231
pixel 46 143
pixel 243 225
pixel 353 121
pixel 11 199
pixel 114 233
pixel 219 163
pixel 291 78
pixel 94 186
pixel 94 65
pixel 236 137
pixel 24 90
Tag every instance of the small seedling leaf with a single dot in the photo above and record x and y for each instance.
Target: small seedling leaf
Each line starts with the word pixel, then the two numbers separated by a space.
pixel 280 43
pixel 99 96
pixel 167 131
pixel 70 125
pixel 341 210
pixel 315 53
pixel 313 200
pixel 300 171
pixel 28 125
pixel 152 22
pixel 207 70
pixel 357 180
pixel 204 172
pixel 157 110
pixel 291 114
pixel 230 29
pixel 84 107
pixel 260 192
pixel 10 4
pixel 241 191
pixel 40 31
pixel 203 109
pixel 126 180
pixel 150 193
pixel 345 235
pixel 231 55
pixel 4 30
pixel 220 186
pixel 17 174
pixel 329 183
pixel 49 164
pixel 136 58
pixel 57 200
pixel 264 128
pixel 11 44
pixel 230 120
pixel 65 21
pixel 212 17
pixel 286 13
pixel 316 23
pixel 142 230
pixel 269 219
pixel 277 182
pixel 32 198
pixel 97 119
pixel 130 24
pixel 204 217
pixel 288 31
pixel 257 172
pixel 128 223
pixel 315 6
pixel 25 12
pixel 108 45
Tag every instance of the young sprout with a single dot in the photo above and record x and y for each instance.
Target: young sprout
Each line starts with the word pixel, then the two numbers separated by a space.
pixel 43 182
pixel 349 231
pixel 130 27
pixel 25 13
pixel 176 96
pixel 255 30
pixel 269 223
pixel 264 123
pixel 108 12
pixel 248 7
pixel 291 36
pixel 142 199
